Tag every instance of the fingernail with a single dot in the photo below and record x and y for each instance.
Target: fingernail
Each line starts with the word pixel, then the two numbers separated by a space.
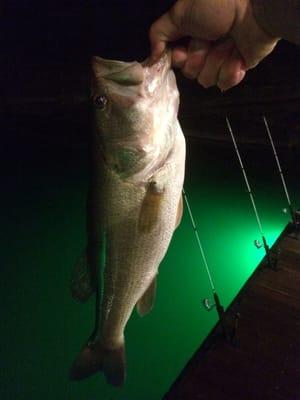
pixel 242 74
pixel 222 89
pixel 205 85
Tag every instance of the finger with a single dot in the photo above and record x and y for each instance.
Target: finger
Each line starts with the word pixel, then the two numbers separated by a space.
pixel 179 56
pixel 257 54
pixel 161 32
pixel 197 52
pixel 215 58
pixel 232 71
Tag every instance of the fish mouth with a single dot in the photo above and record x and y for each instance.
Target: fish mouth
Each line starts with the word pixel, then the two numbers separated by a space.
pixel 156 73
pixel 146 76
pixel 164 62
pixel 120 72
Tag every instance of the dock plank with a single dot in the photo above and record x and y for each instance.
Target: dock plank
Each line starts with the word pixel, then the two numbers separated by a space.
pixel 263 361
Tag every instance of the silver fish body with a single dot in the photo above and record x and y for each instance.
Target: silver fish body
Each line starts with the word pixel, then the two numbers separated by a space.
pixel 135 196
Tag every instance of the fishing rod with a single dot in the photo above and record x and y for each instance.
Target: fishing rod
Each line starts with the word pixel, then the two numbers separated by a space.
pixel 295 222
pixel 206 302
pixel 265 244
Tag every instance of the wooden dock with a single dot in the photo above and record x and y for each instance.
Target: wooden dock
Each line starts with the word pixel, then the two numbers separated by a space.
pixel 262 361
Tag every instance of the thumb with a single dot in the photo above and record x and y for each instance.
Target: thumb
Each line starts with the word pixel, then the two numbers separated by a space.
pixel 162 31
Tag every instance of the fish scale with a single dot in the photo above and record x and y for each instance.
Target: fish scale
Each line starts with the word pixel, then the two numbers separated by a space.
pixel 136 200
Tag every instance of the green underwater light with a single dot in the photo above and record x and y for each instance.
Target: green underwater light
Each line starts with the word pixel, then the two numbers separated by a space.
pixel 45 327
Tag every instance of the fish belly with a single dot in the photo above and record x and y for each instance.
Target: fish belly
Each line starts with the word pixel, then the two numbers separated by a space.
pixel 132 255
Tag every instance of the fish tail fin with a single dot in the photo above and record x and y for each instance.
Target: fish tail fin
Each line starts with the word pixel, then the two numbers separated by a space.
pixel 95 358
pixel 81 282
pixel 114 366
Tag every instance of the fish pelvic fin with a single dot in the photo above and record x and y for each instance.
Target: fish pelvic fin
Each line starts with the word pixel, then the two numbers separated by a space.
pixel 82 285
pixel 94 358
pixel 85 279
pixel 146 302
pixel 151 205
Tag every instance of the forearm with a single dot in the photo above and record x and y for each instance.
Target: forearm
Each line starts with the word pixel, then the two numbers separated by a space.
pixel 279 18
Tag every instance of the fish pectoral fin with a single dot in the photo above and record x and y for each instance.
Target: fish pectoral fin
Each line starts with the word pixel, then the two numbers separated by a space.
pixel 150 208
pixel 146 302
pixel 179 212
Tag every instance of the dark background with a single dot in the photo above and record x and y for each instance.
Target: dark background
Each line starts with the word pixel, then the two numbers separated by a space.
pixel 44 36
pixel 45 123
pixel 44 61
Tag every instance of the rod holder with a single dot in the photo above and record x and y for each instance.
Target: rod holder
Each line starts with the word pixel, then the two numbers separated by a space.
pixel 271 257
pixel 209 306
pixel 295 219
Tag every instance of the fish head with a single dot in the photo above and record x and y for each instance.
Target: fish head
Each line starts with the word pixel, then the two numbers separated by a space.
pixel 115 90
pixel 134 103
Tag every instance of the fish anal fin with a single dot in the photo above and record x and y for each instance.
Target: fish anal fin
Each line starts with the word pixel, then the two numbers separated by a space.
pixel 179 212
pixel 146 302
pixel 150 208
pixel 95 358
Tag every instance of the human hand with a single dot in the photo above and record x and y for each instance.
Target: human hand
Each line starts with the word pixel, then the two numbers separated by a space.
pixel 225 40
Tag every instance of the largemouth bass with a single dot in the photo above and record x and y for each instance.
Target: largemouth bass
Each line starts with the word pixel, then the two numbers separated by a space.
pixel 134 202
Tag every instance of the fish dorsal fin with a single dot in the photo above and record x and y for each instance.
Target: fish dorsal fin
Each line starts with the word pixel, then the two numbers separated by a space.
pixel 146 302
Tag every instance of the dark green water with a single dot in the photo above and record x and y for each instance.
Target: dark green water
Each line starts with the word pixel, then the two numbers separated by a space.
pixel 43 207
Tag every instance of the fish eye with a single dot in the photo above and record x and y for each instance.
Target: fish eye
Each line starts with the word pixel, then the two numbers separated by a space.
pixel 100 102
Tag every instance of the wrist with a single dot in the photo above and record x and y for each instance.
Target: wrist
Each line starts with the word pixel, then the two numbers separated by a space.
pixel 279 18
pixel 259 14
pixel 253 42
